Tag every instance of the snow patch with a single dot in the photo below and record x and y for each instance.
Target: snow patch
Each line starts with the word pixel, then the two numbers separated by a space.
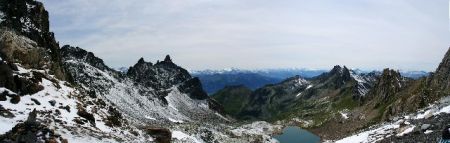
pixel 298 94
pixel 344 115
pixel 184 137
pixel 175 120
pixel 149 117
pixel 446 109
pixel 406 131
pixel 370 136
pixel 226 119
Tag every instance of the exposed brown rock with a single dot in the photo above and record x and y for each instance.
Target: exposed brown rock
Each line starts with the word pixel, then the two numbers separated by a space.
pixel 161 135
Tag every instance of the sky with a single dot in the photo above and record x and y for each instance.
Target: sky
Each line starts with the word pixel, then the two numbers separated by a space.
pixel 258 34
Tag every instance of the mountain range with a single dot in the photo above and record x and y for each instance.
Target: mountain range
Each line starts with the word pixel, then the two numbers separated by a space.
pixel 214 80
pixel 342 101
pixel 52 93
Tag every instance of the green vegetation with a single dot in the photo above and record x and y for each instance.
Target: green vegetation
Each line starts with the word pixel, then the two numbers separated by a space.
pixel 233 98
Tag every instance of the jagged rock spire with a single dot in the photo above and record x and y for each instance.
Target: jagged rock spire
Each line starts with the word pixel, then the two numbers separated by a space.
pixel 32 117
pixel 168 59
pixel 341 71
pixel 141 60
pixel 389 84
pixel 336 68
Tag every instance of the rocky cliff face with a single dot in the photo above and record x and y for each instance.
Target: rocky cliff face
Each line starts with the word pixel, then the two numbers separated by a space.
pixel 336 78
pixel 164 91
pixel 422 92
pixel 21 50
pixel 160 76
pixel 439 81
pixel 391 98
pixel 389 83
pixel 163 75
pixel 29 18
pixel 76 53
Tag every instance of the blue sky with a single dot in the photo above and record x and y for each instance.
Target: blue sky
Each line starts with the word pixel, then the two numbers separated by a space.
pixel 258 34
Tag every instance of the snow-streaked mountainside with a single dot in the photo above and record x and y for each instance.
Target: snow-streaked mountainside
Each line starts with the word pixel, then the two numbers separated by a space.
pixel 407 128
pixel 162 99
pixel 60 107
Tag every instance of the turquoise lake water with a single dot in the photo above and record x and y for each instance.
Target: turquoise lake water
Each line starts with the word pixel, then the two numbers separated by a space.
pixel 294 134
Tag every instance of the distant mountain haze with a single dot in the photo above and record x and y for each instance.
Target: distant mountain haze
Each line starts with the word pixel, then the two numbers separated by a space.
pixel 214 80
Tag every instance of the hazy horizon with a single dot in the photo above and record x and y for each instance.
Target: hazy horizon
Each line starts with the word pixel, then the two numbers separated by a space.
pixel 411 35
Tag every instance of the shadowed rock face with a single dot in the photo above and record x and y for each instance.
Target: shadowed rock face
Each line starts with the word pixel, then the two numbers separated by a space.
pixel 193 88
pixel 440 80
pixel 6 76
pixel 69 53
pixel 161 135
pixel 428 90
pixel 389 84
pixel 336 78
pixel 17 83
pixel 160 76
pixel 164 75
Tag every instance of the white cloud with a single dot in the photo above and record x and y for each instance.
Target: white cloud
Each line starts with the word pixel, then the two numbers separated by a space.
pixel 199 34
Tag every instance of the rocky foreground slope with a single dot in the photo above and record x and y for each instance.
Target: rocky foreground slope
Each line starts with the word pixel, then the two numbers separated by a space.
pixel 53 94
